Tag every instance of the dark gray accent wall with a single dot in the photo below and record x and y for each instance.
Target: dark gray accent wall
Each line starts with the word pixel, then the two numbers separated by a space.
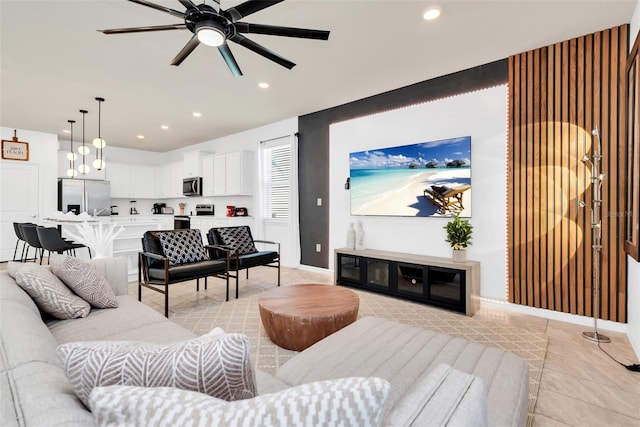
pixel 313 149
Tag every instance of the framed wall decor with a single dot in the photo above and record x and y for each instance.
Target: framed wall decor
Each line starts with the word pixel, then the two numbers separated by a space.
pixel 12 149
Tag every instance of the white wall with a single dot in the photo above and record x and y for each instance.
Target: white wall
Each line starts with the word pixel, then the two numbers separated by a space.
pixel 482 115
pixel 633 272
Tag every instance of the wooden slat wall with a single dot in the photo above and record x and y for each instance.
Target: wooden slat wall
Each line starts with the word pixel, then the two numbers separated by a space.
pixel 558 95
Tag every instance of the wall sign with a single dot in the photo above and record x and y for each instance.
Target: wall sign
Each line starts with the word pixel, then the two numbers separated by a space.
pixel 14 149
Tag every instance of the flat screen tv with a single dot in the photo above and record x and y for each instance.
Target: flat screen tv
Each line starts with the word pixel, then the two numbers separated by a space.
pixel 419 180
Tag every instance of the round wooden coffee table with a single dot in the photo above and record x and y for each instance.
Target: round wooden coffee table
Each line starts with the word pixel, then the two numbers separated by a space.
pixel 296 317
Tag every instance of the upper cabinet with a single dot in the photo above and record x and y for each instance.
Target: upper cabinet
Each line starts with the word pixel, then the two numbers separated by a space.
pixel 228 174
pixel 192 164
pixel 131 181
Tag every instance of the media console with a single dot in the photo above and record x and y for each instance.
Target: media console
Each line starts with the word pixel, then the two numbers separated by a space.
pixel 435 281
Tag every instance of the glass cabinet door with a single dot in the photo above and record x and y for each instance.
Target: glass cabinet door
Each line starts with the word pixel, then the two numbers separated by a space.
pixel 378 272
pixel 350 268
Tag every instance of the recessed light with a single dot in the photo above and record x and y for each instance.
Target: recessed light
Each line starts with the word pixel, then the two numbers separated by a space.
pixel 66 131
pixel 164 127
pixel 140 137
pixel 263 85
pixel 432 13
pixel 196 114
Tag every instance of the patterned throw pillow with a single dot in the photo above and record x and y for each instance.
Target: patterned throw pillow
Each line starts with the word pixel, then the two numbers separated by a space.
pixel 217 364
pixel 356 402
pixel 50 294
pixel 83 279
pixel 183 246
pixel 238 238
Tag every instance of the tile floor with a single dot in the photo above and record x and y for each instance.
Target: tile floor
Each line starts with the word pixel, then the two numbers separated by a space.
pixel 580 384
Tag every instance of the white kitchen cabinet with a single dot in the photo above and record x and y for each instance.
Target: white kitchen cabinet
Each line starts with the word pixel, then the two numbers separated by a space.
pixel 131 181
pixel 192 164
pixel 204 223
pixel 177 175
pixel 233 174
pixel 207 176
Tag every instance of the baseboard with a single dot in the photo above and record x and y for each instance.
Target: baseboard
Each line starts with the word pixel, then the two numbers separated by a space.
pixel 314 269
pixel 554 315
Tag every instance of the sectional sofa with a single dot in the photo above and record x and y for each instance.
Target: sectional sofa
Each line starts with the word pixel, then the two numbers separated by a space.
pixel 434 379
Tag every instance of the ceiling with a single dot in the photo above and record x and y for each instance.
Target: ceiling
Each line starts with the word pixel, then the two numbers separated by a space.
pixel 55 63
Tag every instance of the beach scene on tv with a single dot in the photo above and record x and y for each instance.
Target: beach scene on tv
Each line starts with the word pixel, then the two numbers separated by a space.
pixel 420 180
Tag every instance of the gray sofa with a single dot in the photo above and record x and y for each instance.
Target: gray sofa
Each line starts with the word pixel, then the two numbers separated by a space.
pixel 35 390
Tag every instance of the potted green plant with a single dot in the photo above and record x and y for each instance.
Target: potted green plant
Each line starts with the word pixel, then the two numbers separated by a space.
pixel 459 233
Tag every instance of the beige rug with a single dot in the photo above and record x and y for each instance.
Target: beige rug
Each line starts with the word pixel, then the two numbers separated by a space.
pixel 202 311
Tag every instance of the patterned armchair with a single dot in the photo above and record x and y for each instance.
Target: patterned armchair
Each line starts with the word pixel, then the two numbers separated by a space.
pixel 243 252
pixel 174 256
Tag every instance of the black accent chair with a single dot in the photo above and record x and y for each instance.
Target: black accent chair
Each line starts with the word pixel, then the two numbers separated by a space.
pixel 158 270
pixel 244 253
pixel 52 241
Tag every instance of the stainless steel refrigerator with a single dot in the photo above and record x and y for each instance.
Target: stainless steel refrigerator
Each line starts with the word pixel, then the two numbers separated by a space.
pixel 84 195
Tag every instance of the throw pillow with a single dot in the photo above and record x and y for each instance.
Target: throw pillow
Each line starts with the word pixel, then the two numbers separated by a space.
pixel 239 238
pixel 83 279
pixel 50 294
pixel 217 364
pixel 352 401
pixel 183 246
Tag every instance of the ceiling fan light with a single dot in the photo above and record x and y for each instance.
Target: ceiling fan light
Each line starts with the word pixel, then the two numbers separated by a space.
pixel 99 142
pixel 210 34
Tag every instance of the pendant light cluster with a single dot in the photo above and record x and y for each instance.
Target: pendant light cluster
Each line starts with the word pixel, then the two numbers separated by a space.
pixel 84 150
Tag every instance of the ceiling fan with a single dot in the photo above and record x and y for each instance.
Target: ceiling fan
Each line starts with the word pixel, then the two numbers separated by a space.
pixel 215 27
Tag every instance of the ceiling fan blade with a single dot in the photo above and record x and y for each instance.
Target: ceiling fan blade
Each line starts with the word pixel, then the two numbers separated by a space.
pixel 144 29
pixel 188 4
pixel 186 50
pixel 261 50
pixel 168 10
pixel 247 8
pixel 274 30
pixel 229 59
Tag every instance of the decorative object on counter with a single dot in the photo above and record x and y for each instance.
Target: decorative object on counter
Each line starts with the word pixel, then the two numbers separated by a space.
pixel 459 233
pixel 351 236
pixel 99 142
pixel 360 237
pixel 231 210
pixel 133 210
pixel 83 149
pixel 15 150
pixel 98 237
pixel 182 206
pixel 241 212
pixel 71 155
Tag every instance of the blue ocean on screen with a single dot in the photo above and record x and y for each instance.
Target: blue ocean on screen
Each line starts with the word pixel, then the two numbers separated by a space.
pixel 392 180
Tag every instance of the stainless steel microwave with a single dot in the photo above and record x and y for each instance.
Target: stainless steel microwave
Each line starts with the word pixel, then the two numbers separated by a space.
pixel 192 186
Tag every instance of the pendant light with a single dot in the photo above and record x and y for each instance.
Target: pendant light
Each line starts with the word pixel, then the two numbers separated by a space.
pixel 98 142
pixel 71 172
pixel 83 149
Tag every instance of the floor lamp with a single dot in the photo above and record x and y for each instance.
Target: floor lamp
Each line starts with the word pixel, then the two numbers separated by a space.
pixel 596 233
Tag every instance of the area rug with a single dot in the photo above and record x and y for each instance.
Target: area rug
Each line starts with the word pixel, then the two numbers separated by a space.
pixel 202 311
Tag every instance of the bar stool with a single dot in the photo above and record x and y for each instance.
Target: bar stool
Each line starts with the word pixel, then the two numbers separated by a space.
pixel 30 235
pixel 52 241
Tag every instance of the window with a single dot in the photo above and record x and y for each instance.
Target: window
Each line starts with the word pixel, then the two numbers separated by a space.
pixel 277 181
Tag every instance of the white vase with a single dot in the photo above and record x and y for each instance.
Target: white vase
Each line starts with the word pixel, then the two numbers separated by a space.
pixel 351 237
pixel 459 255
pixel 360 238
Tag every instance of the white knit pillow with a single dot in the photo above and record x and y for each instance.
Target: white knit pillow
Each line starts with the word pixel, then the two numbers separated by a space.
pixel 217 364
pixel 83 279
pixel 357 402
pixel 49 293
